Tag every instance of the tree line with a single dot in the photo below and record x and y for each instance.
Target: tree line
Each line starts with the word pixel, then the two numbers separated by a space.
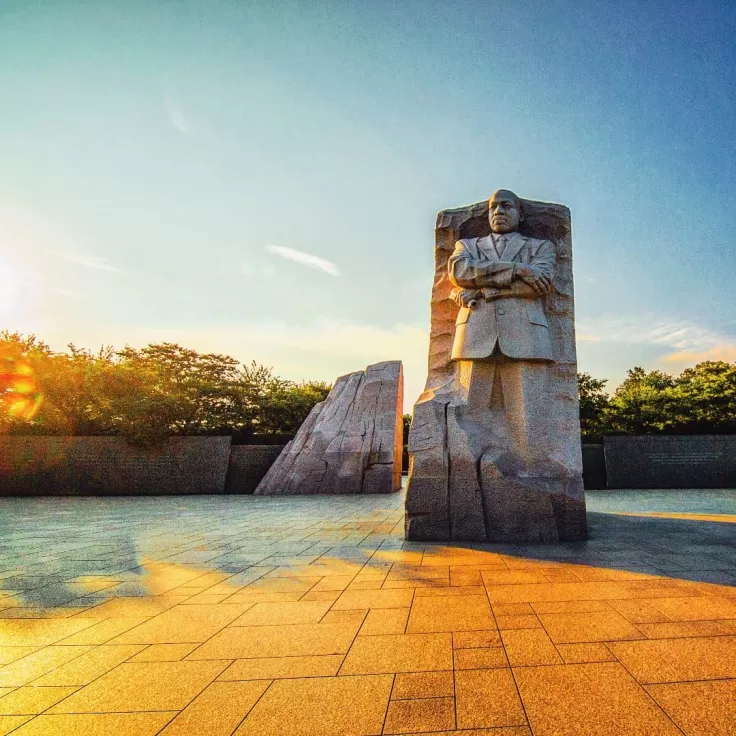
pixel 165 389
pixel 157 391
pixel 701 400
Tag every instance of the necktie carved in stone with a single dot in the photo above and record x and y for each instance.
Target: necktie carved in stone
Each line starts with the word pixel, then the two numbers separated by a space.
pixel 500 245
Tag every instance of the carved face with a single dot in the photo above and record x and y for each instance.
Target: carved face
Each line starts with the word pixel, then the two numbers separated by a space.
pixel 504 211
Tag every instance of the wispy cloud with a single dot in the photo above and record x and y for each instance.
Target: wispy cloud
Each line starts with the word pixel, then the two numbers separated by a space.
pixel 86 261
pixel 179 120
pixel 725 352
pixel 687 343
pixel 652 329
pixel 586 338
pixel 306 259
pixel 171 99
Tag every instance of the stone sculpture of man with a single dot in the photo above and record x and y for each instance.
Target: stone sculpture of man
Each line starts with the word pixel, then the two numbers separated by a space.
pixel 502 336
pixel 494 445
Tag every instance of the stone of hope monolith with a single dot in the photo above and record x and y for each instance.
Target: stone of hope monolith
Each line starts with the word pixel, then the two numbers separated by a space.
pixel 350 443
pixel 494 444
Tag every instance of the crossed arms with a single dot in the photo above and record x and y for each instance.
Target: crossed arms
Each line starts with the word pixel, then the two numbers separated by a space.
pixel 476 279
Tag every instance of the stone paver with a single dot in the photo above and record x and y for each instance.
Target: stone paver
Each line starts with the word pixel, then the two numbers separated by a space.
pixel 313 616
pixel 583 699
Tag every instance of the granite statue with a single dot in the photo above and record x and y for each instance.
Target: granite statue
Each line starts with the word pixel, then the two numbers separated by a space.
pixel 494 445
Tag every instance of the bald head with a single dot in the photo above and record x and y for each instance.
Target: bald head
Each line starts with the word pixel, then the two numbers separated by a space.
pixel 504 211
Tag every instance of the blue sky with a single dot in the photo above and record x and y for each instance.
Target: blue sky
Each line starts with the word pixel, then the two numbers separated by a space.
pixel 162 160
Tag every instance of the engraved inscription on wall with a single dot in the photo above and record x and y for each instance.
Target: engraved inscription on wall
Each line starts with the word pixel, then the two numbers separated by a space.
pixel 685 458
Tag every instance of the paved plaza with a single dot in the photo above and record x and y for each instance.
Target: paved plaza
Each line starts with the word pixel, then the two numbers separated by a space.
pixel 311 615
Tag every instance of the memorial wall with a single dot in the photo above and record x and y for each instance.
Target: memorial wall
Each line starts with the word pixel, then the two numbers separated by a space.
pixel 671 461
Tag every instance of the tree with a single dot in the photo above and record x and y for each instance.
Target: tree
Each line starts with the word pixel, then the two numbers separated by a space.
pixel 704 399
pixel 76 399
pixel 191 393
pixel 178 391
pixel 641 404
pixel 593 404
pixel 280 406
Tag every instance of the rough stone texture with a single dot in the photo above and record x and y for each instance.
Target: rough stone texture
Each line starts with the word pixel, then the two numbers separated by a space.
pixel 457 491
pixel 248 465
pixel 110 466
pixel 661 461
pixel 349 443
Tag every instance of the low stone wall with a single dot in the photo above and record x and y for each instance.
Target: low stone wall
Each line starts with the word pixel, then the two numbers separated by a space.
pixel 248 464
pixel 594 467
pixel 671 461
pixel 110 466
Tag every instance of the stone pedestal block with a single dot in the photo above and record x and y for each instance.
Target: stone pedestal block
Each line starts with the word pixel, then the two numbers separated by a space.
pixel 349 443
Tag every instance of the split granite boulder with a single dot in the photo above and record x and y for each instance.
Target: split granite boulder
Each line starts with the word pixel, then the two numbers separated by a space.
pixel 350 443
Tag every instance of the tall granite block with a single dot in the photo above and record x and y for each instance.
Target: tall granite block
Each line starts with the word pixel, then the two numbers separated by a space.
pixel 349 443
pixel 494 445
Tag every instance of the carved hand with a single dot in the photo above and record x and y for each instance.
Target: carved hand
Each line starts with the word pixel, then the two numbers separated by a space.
pixel 541 283
pixel 466 297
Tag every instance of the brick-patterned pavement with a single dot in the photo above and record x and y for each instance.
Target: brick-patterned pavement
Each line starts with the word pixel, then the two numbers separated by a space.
pixel 293 616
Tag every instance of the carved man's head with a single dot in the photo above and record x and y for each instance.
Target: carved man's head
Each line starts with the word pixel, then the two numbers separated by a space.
pixel 504 211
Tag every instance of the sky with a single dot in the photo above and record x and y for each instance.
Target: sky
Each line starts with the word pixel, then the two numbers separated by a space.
pixel 261 178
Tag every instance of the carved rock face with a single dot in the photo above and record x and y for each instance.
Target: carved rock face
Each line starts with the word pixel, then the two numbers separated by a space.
pixel 350 443
pixel 495 443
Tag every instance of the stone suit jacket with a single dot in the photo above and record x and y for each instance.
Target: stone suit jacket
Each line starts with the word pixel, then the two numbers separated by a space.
pixel 510 316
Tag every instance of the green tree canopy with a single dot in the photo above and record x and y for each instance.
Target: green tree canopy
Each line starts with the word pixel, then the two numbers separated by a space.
pixel 593 404
pixel 166 389
pixel 159 390
pixel 641 404
pixel 701 400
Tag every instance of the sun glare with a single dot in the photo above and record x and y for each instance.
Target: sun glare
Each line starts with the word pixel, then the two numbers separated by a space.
pixel 20 395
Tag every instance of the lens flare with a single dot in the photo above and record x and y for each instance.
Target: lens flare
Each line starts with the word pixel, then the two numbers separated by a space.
pixel 20 395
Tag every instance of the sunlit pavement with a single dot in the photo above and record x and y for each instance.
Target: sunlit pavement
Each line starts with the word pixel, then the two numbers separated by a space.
pixel 257 616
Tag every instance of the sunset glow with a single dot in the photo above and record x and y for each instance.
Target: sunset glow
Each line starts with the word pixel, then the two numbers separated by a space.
pixel 20 395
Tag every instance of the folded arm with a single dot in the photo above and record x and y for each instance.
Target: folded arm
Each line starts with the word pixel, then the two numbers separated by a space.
pixel 543 259
pixel 469 297
pixel 467 272
pixel 475 279
pixel 518 289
